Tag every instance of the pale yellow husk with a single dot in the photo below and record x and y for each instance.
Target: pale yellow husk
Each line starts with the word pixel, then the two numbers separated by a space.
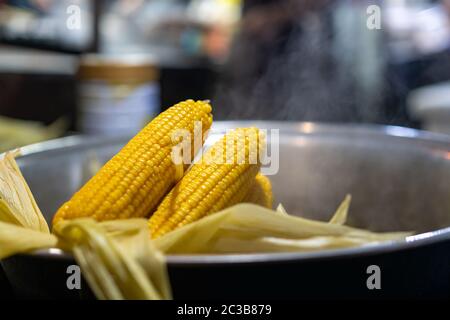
pixel 117 258
pixel 15 239
pixel 254 224
pixel 16 133
pixel 340 216
pixel 17 204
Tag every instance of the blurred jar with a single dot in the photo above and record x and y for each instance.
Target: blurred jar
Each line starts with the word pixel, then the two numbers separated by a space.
pixel 431 105
pixel 116 95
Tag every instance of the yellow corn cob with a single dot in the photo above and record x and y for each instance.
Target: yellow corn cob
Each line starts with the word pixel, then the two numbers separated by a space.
pixel 260 192
pixel 134 181
pixel 221 179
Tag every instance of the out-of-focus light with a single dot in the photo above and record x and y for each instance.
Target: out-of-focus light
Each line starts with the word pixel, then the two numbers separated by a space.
pixel 307 127
pixel 420 236
pixel 401 132
pixel 427 235
pixel 55 251
pixel 299 141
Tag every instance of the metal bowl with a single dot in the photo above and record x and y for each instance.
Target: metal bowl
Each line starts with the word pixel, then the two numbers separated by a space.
pixel 399 179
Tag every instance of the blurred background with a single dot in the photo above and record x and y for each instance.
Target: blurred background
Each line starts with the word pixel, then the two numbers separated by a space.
pixel 107 67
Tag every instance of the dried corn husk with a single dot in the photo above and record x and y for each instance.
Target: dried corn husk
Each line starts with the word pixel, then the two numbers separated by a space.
pixel 117 258
pixel 340 216
pixel 281 209
pixel 248 223
pixel 17 204
pixel 16 133
pixel 22 226
pixel 269 244
pixel 15 239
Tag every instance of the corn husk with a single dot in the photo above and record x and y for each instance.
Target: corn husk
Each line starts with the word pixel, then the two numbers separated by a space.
pixel 15 239
pixel 340 216
pixel 16 133
pixel 247 223
pixel 269 244
pixel 117 257
pixel 17 204
pixel 281 209
pixel 22 226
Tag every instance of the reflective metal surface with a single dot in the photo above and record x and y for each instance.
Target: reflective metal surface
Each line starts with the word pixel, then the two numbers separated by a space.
pixel 399 179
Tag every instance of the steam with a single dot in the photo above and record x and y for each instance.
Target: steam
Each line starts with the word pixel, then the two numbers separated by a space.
pixel 310 72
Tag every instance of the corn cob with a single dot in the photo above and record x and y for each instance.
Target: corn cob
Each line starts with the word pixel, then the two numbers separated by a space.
pixel 261 192
pixel 134 181
pixel 221 179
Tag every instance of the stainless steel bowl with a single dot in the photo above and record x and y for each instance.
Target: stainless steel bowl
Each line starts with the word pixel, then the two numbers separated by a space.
pixel 399 179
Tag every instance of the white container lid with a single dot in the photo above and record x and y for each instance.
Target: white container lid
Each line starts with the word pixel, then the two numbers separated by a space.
pixel 430 101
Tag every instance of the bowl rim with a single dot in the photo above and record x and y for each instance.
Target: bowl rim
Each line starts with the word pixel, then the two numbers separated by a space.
pixel 424 139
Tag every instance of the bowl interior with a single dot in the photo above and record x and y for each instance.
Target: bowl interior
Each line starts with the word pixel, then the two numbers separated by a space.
pixel 397 181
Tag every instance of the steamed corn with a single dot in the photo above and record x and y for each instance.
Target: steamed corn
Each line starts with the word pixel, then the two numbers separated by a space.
pixel 220 179
pixel 133 182
pixel 260 192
